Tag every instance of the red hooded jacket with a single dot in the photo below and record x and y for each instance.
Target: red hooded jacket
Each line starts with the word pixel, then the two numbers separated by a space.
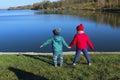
pixel 81 40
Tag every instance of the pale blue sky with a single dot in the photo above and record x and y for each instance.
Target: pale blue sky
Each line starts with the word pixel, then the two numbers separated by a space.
pixel 14 3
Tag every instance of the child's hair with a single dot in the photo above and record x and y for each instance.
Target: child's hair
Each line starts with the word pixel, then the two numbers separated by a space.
pixel 56 31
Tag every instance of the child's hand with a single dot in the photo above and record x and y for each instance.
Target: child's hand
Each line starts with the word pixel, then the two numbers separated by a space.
pixel 41 46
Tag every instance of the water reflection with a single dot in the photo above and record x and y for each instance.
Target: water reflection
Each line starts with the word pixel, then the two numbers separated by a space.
pixel 112 19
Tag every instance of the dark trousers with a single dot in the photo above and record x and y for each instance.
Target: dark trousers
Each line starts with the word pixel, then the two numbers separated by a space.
pixel 85 52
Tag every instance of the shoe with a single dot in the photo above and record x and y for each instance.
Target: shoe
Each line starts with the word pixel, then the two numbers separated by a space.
pixel 74 64
pixel 89 64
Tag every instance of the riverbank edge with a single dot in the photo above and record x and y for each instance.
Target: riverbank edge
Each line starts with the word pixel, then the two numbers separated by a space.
pixel 64 53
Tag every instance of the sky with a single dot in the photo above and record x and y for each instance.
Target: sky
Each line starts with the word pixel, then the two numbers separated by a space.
pixel 13 3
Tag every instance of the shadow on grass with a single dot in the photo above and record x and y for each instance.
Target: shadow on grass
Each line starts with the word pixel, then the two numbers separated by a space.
pixel 44 58
pixel 23 75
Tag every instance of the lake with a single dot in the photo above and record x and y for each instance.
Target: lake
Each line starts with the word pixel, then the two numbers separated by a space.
pixel 26 30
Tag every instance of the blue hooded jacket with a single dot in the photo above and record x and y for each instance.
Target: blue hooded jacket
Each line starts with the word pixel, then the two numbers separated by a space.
pixel 57 44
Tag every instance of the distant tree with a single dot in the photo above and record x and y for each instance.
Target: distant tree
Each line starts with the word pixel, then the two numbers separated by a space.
pixel 47 5
pixel 36 6
pixel 58 4
pixel 71 4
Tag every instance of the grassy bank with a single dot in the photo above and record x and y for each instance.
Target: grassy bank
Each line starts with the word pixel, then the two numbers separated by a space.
pixel 26 67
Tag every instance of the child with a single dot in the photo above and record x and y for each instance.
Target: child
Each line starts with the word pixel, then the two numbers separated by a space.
pixel 81 40
pixel 57 42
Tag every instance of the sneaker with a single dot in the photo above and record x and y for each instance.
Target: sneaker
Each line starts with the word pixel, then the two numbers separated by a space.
pixel 74 64
pixel 89 64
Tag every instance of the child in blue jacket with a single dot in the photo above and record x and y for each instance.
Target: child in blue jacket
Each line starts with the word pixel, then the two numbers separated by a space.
pixel 57 42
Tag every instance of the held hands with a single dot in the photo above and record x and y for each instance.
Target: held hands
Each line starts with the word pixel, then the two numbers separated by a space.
pixel 69 47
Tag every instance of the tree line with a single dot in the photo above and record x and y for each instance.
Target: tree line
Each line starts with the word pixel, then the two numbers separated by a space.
pixel 71 4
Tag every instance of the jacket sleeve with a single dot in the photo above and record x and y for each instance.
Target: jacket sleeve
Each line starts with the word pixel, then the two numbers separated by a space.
pixel 64 42
pixel 73 41
pixel 47 42
pixel 90 43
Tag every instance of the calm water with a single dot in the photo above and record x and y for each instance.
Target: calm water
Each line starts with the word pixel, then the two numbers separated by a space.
pixel 24 31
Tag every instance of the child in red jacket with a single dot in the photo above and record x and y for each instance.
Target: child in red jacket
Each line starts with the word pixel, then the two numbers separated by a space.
pixel 81 40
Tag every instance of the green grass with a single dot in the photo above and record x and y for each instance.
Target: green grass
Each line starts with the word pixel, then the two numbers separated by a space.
pixel 26 67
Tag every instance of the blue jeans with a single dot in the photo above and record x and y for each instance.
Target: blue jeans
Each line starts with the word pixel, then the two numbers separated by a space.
pixel 55 57
pixel 85 52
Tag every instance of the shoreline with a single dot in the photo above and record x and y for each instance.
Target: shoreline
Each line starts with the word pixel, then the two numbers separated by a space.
pixel 64 53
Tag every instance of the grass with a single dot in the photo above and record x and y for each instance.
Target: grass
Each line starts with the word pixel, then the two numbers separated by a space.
pixel 40 67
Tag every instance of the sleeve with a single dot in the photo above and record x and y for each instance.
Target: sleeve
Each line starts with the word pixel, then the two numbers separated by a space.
pixel 64 42
pixel 47 42
pixel 90 43
pixel 73 41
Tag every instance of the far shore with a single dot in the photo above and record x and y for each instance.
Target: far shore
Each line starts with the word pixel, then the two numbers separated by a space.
pixel 64 53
